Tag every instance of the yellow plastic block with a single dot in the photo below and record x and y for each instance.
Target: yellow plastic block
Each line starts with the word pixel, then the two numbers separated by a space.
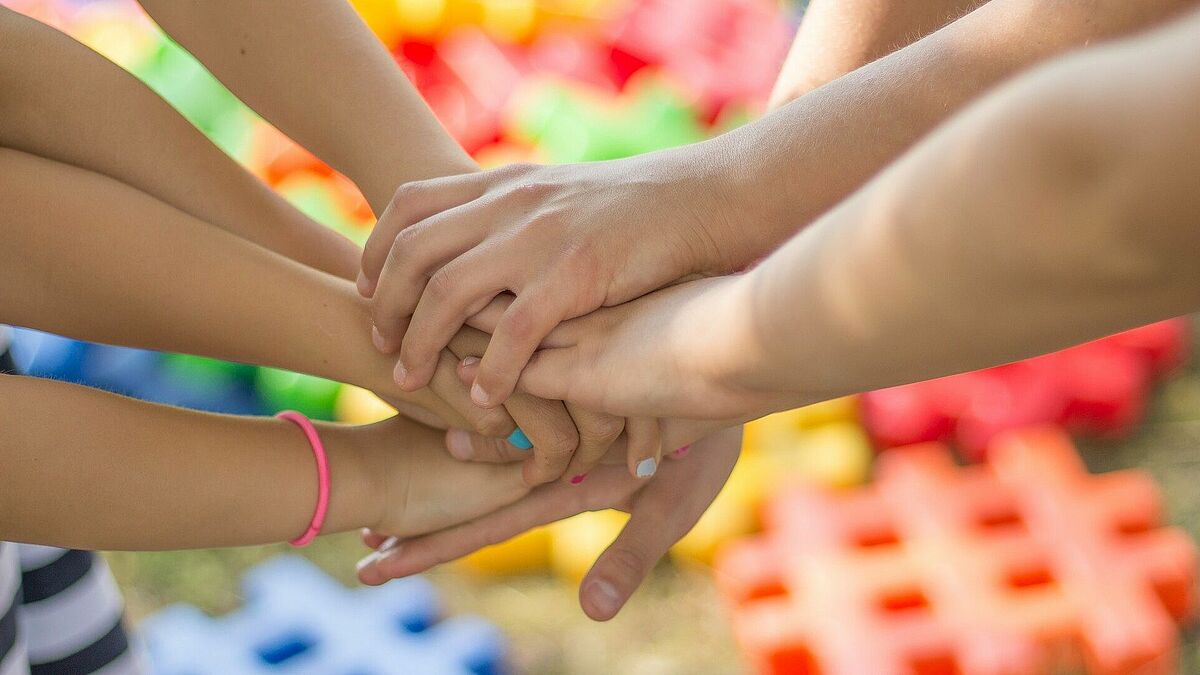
pixel 523 554
pixel 382 17
pixel 510 20
pixel 359 406
pixel 579 541
pixel 782 429
pixel 837 455
pixel 843 409
pixel 421 18
pixel 733 513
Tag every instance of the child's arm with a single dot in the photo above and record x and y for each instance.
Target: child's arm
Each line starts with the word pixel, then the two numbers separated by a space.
pixel 313 69
pixel 323 78
pixel 570 239
pixel 87 469
pixel 839 36
pixel 76 107
pixel 1059 209
pixel 92 258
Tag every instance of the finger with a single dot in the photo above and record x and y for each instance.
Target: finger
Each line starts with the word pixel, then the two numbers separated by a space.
pixel 447 385
pixel 528 320
pixel 645 446
pixel 544 505
pixel 552 433
pixel 469 447
pixel 552 373
pixel 597 433
pixel 371 538
pixel 412 203
pixel 416 254
pixel 547 425
pixel 487 318
pixel 461 288
pixel 665 511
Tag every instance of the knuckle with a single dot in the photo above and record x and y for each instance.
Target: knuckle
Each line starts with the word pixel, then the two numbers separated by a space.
pixel 492 423
pixel 602 430
pixel 533 190
pixel 629 563
pixel 407 193
pixel 519 323
pixel 559 442
pixel 441 285
pixel 580 259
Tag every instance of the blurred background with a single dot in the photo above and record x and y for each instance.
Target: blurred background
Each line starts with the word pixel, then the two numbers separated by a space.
pixel 582 80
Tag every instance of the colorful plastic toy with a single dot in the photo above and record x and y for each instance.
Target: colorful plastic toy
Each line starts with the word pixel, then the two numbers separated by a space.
pixel 285 390
pixel 1024 565
pixel 297 620
pixel 1099 388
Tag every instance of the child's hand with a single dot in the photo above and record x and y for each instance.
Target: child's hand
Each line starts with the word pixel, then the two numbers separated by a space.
pixel 676 353
pixel 423 489
pixel 565 239
pixel 661 512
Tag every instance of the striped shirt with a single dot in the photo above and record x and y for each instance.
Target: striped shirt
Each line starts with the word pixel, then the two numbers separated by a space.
pixel 60 610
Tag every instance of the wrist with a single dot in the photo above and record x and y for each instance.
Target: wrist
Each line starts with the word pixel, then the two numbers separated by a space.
pixel 733 207
pixel 358 490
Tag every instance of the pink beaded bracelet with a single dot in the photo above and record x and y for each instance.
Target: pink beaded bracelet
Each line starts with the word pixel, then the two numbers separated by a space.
pixel 318 519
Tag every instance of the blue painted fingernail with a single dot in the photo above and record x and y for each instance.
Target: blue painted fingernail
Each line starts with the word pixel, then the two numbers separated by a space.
pixel 519 440
pixel 646 467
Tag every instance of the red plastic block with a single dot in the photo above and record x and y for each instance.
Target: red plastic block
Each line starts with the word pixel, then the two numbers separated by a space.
pixel 723 50
pixel 1026 564
pixel 1098 388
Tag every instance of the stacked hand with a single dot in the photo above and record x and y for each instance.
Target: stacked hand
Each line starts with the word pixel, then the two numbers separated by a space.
pixel 553 258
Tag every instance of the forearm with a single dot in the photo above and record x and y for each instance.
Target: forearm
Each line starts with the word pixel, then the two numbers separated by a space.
pixel 793 165
pixel 1052 212
pixel 92 258
pixel 78 108
pixel 87 469
pixel 324 79
pixel 837 37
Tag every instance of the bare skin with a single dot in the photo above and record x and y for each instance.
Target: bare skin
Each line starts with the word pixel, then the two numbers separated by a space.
pixel 1050 213
pixel 569 239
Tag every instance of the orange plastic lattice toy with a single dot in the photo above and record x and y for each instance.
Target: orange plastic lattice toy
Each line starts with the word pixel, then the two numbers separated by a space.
pixel 1026 564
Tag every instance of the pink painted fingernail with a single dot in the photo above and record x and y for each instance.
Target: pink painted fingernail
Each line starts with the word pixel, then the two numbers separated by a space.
pixel 470 361
pixel 576 480
pixel 681 451
pixel 400 374
pixel 377 339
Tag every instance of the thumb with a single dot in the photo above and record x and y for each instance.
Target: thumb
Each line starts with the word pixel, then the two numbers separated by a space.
pixel 624 565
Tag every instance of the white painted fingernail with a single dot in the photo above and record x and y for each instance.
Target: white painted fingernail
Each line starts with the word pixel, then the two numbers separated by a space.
pixel 388 545
pixel 646 467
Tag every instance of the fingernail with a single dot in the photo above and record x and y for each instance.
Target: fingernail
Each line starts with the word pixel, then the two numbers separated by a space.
pixel 604 597
pixel 646 467
pixel 377 339
pixel 681 451
pixel 363 284
pixel 400 374
pixel 478 395
pixel 519 440
pixel 458 442
pixel 470 360
pixel 387 547
pixel 576 480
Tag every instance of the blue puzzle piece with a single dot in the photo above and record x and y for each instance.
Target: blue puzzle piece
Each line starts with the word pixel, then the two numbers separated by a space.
pixel 47 355
pixel 296 620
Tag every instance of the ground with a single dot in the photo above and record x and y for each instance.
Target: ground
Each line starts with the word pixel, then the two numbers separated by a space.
pixel 675 624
